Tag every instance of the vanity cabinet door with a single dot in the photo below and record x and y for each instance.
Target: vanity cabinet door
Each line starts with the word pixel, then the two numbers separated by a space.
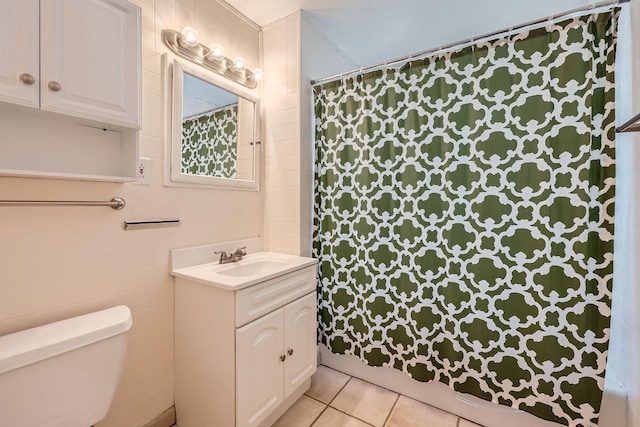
pixel 259 369
pixel 300 342
pixel 19 61
pixel 90 60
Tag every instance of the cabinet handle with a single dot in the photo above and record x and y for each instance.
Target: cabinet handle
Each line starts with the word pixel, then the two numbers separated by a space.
pixel 290 352
pixel 282 358
pixel 55 86
pixel 27 79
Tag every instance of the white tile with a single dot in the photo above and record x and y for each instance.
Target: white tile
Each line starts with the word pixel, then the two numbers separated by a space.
pixel 279 179
pixel 188 5
pixel 165 15
pixel 203 9
pixel 14 253
pixel 14 301
pixel 282 118
pixel 185 18
pixel 411 413
pixel 326 383
pixel 282 149
pixel 282 209
pixel 281 195
pixel 332 418
pixel 279 101
pixel 301 414
pixel 14 324
pixel 365 401
pixel 282 133
pixel 152 105
pixel 152 125
pixel 277 225
pixel 284 242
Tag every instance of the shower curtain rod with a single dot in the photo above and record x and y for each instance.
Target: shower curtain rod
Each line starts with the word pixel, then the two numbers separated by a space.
pixel 421 55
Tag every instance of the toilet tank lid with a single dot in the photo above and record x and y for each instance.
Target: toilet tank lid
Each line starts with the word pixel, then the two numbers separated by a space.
pixel 32 345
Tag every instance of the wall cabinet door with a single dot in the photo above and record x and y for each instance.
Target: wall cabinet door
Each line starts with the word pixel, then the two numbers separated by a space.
pixel 259 369
pixel 90 60
pixel 19 52
pixel 300 342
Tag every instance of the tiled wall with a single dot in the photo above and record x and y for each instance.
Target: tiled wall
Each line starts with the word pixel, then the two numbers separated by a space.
pixel 295 52
pixel 60 262
pixel 281 51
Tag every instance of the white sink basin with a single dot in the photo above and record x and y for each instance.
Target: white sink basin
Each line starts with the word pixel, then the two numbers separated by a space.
pixel 251 267
pixel 254 268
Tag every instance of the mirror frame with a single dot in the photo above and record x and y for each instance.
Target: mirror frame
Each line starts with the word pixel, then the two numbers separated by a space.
pixel 173 91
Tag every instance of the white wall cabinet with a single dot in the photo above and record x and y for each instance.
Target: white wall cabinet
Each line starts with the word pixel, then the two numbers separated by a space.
pixel 19 52
pixel 243 357
pixel 70 88
pixel 88 51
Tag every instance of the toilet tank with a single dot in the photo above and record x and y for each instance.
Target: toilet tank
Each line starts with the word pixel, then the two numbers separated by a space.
pixel 64 373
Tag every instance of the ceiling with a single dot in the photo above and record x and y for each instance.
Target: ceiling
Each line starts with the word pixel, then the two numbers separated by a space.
pixel 374 31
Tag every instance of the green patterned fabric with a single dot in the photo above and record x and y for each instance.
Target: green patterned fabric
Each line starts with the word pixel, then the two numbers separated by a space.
pixel 464 218
pixel 209 143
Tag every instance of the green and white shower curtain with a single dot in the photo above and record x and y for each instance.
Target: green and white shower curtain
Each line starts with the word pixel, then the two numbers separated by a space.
pixel 464 217
pixel 210 143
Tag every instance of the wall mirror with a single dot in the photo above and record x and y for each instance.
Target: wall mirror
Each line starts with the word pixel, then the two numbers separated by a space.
pixel 213 133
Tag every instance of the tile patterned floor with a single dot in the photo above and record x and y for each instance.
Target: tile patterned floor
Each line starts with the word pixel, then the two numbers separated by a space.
pixel 338 400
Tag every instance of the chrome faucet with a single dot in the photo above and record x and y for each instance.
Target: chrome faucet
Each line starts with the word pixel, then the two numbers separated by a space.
pixel 234 257
pixel 224 258
pixel 238 254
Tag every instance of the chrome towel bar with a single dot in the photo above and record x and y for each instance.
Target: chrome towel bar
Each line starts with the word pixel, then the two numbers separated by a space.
pixel 115 203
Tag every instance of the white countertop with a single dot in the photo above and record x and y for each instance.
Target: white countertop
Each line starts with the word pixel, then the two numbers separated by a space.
pixel 253 269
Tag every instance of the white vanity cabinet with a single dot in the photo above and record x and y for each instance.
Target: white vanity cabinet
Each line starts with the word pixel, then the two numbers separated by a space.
pixel 70 88
pixel 274 355
pixel 242 357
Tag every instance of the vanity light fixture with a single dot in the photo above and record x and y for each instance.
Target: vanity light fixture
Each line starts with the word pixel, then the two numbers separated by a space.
pixel 238 63
pixel 216 52
pixel 258 73
pixel 186 45
pixel 188 37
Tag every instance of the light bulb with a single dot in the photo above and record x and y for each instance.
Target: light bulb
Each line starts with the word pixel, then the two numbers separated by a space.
pixel 189 37
pixel 238 63
pixel 216 51
pixel 258 74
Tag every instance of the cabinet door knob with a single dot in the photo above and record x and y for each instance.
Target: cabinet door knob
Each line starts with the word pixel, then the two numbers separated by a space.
pixel 290 352
pixel 282 358
pixel 27 79
pixel 55 86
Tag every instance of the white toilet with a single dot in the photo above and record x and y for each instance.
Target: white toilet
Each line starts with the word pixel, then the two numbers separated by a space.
pixel 63 374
